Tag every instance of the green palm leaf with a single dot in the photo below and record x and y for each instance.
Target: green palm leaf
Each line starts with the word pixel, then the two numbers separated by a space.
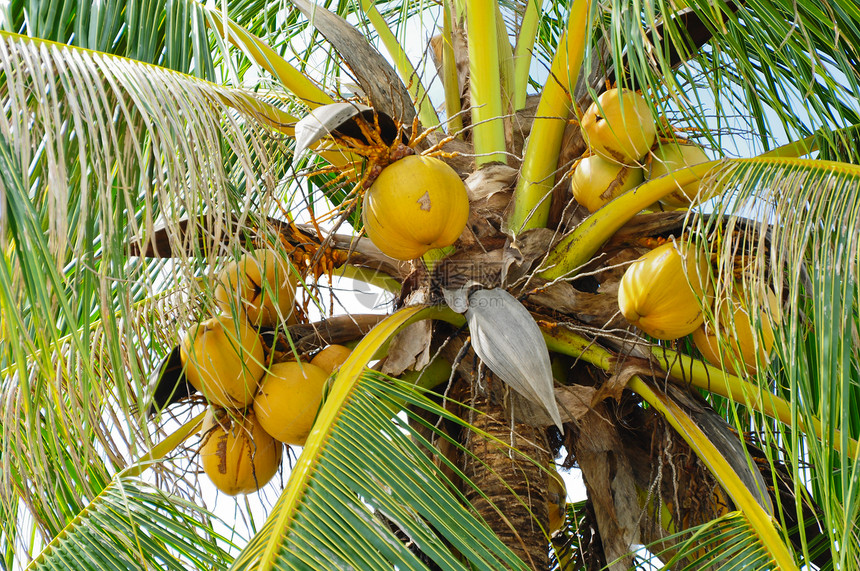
pixel 133 525
pixel 369 466
pixel 359 462
pixel 728 543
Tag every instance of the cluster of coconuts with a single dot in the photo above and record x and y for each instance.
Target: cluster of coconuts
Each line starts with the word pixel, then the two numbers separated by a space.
pixel 663 294
pixel 750 331
pixel 415 205
pixel 621 133
pixel 664 291
pixel 255 407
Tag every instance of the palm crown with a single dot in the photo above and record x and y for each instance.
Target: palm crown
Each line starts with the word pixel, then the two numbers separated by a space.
pixel 144 148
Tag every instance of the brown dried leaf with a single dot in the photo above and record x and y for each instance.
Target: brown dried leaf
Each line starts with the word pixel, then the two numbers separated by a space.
pixel 372 71
pixel 410 349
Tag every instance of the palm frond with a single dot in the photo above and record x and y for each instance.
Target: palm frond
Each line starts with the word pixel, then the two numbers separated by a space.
pixel 133 525
pixel 94 150
pixel 372 476
pixel 171 34
pixel 728 542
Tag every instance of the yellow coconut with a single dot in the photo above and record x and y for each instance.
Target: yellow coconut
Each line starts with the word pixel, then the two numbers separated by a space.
pixel 261 284
pixel 556 501
pixel 237 454
pixel 619 127
pixel 331 358
pixel 670 157
pixel 415 205
pixel 288 400
pixel 751 341
pixel 596 181
pixel 662 292
pixel 223 359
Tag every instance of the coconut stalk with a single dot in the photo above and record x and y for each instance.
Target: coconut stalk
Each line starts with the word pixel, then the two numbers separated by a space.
pixel 741 496
pixel 523 53
pixel 579 246
pixel 407 72
pixel 715 380
pixel 488 129
pixel 685 371
pixel 537 175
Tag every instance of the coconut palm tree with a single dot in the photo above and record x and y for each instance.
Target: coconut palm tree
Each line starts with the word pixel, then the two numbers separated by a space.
pixel 690 344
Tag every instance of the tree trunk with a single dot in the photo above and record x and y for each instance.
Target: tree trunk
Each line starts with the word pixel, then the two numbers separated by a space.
pixel 611 486
pixel 513 488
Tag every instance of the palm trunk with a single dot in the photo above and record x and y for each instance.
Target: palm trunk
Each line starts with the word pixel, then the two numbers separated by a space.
pixel 511 489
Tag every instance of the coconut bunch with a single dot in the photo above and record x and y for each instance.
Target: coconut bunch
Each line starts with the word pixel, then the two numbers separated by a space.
pixel 668 294
pixel 747 329
pixel 621 134
pixel 413 203
pixel 254 408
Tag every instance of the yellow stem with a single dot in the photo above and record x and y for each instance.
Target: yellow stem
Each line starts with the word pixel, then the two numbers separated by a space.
pixel 537 175
pixel 267 58
pixel 450 76
pixel 407 72
pixel 741 496
pixel 684 371
pixel 795 149
pixel 713 379
pixel 506 65
pixel 488 130
pixel 577 247
pixel 523 53
pixel 164 447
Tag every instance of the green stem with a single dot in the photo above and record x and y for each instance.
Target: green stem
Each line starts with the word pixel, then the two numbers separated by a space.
pixel 430 258
pixel 537 175
pixel 488 130
pixel 410 77
pixel 450 76
pixel 523 53
pixel 579 246
pixel 437 372
pixel 372 277
pixel 506 65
